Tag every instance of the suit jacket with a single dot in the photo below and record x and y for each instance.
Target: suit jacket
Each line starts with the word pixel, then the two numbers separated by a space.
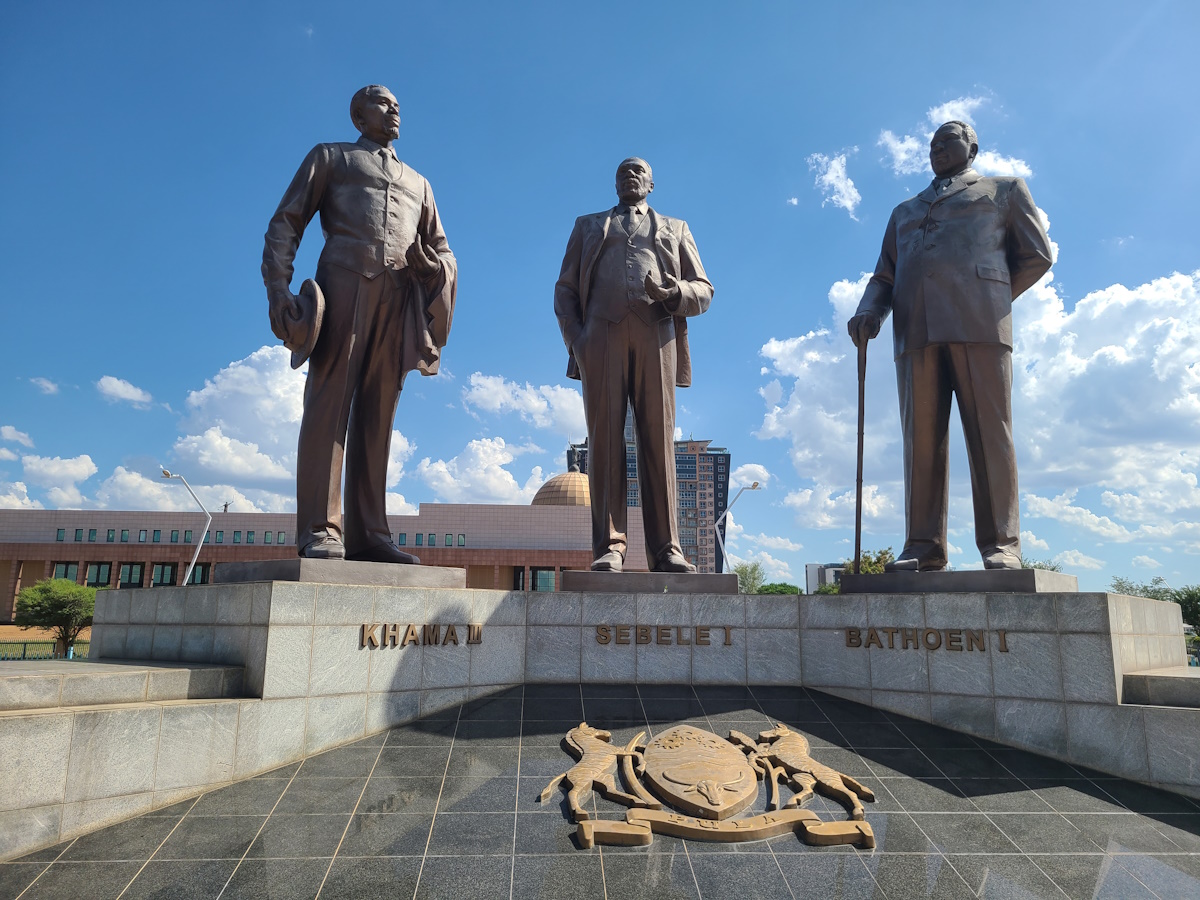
pixel 677 256
pixel 370 215
pixel 951 265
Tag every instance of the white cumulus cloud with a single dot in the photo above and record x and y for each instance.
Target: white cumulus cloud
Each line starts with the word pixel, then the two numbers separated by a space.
pixel 989 162
pixel 1031 541
pixel 549 406
pixel 775 542
pixel 748 473
pixel 8 433
pixel 478 475
pixel 60 477
pixel 8 455
pixel 219 455
pixel 118 389
pixel 45 385
pixel 1146 562
pixel 15 495
pixel 1073 559
pixel 961 109
pixel 835 183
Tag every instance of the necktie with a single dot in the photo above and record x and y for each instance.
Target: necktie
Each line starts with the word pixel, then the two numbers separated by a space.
pixel 631 222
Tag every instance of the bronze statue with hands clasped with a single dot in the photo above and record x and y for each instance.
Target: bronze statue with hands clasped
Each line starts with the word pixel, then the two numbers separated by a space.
pixel 954 259
pixel 380 306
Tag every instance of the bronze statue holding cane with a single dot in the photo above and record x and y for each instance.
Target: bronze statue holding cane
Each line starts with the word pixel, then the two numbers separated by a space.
pixel 954 259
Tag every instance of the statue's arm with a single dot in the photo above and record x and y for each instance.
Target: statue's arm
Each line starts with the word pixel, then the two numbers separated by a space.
pixel 876 300
pixel 567 305
pixel 442 287
pixel 695 290
pixel 1029 254
pixel 299 204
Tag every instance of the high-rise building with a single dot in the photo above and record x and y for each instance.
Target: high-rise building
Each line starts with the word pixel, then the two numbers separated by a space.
pixel 702 477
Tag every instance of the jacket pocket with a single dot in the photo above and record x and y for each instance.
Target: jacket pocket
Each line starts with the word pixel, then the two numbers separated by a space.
pixel 993 274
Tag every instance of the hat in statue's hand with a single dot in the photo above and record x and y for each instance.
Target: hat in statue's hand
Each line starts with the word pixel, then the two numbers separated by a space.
pixel 303 322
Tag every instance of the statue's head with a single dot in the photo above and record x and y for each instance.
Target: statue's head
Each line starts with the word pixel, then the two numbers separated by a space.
pixel 635 180
pixel 375 113
pixel 952 148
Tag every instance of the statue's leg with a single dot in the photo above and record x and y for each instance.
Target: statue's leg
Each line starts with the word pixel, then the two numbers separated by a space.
pixel 652 392
pixel 802 783
pixel 923 380
pixel 601 353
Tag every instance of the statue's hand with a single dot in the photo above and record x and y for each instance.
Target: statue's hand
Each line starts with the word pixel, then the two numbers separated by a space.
pixel 668 292
pixel 423 260
pixel 863 327
pixel 282 306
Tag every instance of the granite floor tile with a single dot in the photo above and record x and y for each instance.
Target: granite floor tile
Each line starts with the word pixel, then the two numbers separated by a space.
pixel 472 834
pixel 1123 832
pixel 963 833
pixel 478 795
pixel 180 880
pixel 557 708
pixel 424 733
pixel 343 762
pixel 928 795
pixel 91 880
pixel 1004 877
pixel 757 876
pixel 16 876
pixel 299 837
pixel 1183 830
pixel 295 879
pixel 1001 795
pixel 547 732
pixel 529 792
pixel 1029 765
pixel 652 692
pixel 1078 795
pixel 321 795
pixel 833 876
pixel 401 834
pixel 567 691
pixel 48 854
pixel 256 797
pixel 538 877
pixel 398 762
pixel 839 711
pixel 136 839
pixel 211 837
pixel 898 833
pixel 281 772
pixel 493 708
pixel 547 834
pixel 884 763
pixel 1147 800
pixel 544 762
pixel 904 875
pixel 1083 877
pixel 467 761
pixel 862 735
pixel 464 878
pixel 401 795
pixel 487 732
pixel 657 710
pixel 1163 876
pixel 791 711
pixel 929 736
pixel 1043 833
pixel 966 763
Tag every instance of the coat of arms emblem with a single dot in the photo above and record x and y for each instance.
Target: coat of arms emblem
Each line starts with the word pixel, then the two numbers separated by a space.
pixel 690 783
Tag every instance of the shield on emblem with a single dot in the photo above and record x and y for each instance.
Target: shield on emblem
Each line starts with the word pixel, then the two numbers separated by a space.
pixel 698 772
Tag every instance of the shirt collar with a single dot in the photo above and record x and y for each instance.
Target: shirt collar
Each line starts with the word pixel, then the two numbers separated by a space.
pixel 938 180
pixel 368 144
pixel 642 207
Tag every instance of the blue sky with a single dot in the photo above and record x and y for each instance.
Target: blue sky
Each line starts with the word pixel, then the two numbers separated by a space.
pixel 148 144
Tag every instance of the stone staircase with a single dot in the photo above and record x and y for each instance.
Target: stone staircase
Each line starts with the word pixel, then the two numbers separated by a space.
pixel 1168 686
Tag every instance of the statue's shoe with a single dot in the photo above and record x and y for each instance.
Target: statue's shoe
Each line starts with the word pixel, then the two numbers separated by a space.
pixel 324 548
pixel 673 562
pixel 612 561
pixel 384 553
pixel 1001 559
pixel 913 564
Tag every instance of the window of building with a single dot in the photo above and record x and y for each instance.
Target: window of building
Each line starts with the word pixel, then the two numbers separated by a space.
pixel 420 539
pixel 163 573
pixel 66 570
pixel 78 534
pixel 175 536
pixel 401 539
pixel 237 537
pixel 207 536
pixel 91 535
pixel 249 537
pixel 142 536
pixel 187 536
pixel 199 574
pixel 157 536
pixel 220 537
pixel 99 574
pixel 266 537
pixel 112 535
pixel 124 535
pixel 132 574
pixel 61 534
pixel 449 540
pixel 462 540
pixel 541 579
pixel 518 578
pixel 432 539
pixel 281 537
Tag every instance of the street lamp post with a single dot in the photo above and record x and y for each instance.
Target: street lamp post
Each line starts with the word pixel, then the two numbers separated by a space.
pixel 720 518
pixel 203 534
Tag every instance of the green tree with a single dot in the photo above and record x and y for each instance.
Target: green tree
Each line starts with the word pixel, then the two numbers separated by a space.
pixel 58 605
pixel 1188 597
pixel 833 588
pixel 873 561
pixel 778 587
pixel 1155 589
pixel 1048 564
pixel 750 577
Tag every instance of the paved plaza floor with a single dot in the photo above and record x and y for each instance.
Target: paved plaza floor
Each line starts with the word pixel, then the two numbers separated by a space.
pixel 448 807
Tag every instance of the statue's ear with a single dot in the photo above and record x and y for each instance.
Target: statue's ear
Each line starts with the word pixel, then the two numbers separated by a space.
pixel 974 152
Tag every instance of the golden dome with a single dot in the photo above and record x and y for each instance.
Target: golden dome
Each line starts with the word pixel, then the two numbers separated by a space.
pixel 567 489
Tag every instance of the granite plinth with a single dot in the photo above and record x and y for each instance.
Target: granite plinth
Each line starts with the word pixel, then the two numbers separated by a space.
pixel 985 581
pixel 649 582
pixel 340 571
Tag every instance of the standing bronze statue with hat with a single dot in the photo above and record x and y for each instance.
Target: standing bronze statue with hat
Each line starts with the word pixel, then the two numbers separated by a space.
pixel 380 306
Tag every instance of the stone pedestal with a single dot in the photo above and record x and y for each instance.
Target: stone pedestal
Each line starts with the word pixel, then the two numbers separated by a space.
pixel 649 582
pixel 339 571
pixel 976 581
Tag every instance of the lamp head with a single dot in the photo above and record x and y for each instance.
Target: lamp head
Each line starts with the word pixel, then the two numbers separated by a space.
pixel 166 474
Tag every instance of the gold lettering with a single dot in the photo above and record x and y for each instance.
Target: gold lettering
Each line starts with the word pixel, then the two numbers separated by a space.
pixel 909 638
pixel 391 634
pixel 369 636
pixel 475 634
pixel 662 634
pixel 873 639
pixel 411 636
pixel 622 634
pixel 679 639
pixel 932 638
pixel 431 634
pixel 602 634
pixel 975 641
pixel 1002 635
pixel 954 639
pixel 891 633
pixel 728 635
pixel 853 637
pixel 643 634
pixel 451 636
pixel 701 635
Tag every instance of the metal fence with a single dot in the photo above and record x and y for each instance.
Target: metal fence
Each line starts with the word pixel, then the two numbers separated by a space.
pixel 39 650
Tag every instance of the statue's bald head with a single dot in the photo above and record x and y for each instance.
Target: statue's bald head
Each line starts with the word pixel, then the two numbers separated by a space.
pixel 635 180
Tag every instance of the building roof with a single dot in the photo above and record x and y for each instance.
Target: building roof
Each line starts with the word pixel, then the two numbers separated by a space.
pixel 567 489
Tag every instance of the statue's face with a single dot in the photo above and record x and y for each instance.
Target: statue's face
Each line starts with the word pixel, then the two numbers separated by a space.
pixel 634 181
pixel 379 117
pixel 949 151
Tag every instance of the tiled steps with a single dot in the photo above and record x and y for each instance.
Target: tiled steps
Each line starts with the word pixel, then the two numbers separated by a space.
pixel 1172 686
pixel 72 684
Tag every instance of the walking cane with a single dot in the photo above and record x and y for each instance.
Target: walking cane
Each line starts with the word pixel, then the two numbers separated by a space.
pixel 862 404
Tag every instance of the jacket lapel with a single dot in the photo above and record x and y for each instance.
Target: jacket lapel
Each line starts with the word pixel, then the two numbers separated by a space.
pixel 960 184
pixel 666 258
pixel 593 248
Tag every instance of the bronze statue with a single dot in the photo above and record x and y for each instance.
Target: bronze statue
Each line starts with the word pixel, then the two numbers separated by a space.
pixel 953 260
pixel 387 281
pixel 629 280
